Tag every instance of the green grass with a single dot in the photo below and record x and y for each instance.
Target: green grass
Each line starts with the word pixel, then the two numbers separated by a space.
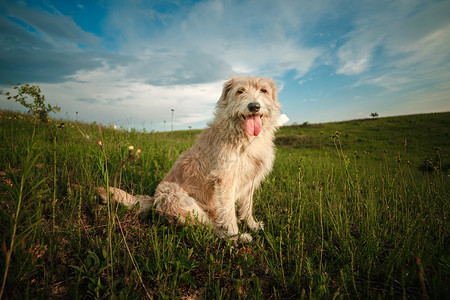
pixel 356 209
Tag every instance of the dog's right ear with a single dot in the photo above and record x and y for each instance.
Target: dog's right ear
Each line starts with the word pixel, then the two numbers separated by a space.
pixel 226 89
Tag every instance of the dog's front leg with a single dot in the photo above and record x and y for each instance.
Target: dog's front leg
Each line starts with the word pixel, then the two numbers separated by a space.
pixel 226 220
pixel 245 212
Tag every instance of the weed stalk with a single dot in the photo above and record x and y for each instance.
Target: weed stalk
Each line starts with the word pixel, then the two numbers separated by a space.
pixel 54 185
pixel 111 221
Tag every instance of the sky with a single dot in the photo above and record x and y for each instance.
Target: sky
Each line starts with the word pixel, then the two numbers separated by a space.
pixel 130 63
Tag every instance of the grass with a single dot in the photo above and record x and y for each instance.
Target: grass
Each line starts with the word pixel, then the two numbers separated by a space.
pixel 356 209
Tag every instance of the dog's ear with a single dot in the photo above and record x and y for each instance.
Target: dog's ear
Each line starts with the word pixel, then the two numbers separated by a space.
pixel 273 87
pixel 226 89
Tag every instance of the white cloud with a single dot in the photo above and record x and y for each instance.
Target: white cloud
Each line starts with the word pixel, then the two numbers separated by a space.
pixel 352 66
pixel 54 28
pixel 215 39
pixel 106 96
pixel 402 47
pixel 310 100
pixel 355 56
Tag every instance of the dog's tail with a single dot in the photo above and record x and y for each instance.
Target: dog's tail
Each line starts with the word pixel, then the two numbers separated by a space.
pixel 120 196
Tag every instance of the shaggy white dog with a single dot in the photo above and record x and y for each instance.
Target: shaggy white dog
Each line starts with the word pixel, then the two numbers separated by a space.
pixel 225 166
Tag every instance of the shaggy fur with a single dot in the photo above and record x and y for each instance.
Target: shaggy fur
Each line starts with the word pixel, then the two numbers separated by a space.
pixel 225 166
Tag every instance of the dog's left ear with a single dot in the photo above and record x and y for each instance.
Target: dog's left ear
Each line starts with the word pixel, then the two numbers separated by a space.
pixel 273 86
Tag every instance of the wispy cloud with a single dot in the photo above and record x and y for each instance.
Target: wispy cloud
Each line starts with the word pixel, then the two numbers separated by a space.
pixel 399 37
pixel 215 39
pixel 53 28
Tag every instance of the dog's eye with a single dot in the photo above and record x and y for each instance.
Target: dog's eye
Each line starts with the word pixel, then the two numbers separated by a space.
pixel 264 91
pixel 240 91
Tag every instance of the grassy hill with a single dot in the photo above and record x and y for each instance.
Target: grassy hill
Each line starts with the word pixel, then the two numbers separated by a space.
pixel 418 134
pixel 356 209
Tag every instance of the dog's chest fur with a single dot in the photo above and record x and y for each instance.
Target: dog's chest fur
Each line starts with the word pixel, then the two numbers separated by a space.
pixel 256 159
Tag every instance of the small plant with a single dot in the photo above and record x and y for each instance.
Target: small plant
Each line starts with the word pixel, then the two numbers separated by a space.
pixel 37 108
pixel 132 156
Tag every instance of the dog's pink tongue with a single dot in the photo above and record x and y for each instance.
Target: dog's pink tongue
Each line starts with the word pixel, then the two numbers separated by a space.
pixel 253 124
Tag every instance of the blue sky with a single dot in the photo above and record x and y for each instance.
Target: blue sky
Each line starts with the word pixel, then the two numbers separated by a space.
pixel 129 63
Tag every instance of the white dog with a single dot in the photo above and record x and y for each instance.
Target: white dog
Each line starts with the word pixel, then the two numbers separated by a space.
pixel 224 167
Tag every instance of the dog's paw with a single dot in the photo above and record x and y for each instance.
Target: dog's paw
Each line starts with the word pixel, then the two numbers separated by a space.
pixel 255 226
pixel 242 237
pixel 245 238
pixel 260 225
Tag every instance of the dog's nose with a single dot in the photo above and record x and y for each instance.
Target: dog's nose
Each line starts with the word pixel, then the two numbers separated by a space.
pixel 254 107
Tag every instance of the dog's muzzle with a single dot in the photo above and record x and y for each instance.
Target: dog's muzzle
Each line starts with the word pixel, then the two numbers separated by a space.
pixel 253 123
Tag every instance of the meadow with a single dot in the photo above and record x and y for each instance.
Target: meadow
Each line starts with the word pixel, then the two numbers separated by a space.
pixel 356 209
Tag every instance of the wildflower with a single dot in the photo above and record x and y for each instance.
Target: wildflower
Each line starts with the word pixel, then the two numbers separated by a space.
pixel 130 152
pixel 38 251
pixel 335 136
pixel 99 143
pixel 245 251
pixel 132 155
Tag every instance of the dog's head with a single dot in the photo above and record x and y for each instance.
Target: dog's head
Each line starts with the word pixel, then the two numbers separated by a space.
pixel 251 103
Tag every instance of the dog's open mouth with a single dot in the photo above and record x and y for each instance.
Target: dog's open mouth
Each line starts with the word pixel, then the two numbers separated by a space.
pixel 253 124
